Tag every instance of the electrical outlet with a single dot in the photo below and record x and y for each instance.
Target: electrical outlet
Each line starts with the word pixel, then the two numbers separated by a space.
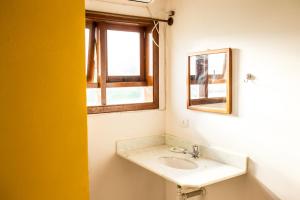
pixel 184 123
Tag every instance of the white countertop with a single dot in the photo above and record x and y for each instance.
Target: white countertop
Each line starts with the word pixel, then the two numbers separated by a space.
pixel 208 171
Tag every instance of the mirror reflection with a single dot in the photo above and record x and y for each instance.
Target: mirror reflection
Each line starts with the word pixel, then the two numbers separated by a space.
pixel 209 81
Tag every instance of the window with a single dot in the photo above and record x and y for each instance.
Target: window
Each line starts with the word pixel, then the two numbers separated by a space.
pixel 121 63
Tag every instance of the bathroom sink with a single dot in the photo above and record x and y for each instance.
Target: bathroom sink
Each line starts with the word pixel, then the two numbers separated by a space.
pixel 178 163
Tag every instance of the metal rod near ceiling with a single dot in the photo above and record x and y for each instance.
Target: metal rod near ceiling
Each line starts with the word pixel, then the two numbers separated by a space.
pixel 169 21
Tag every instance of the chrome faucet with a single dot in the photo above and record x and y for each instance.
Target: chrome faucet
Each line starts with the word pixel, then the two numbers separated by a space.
pixel 195 153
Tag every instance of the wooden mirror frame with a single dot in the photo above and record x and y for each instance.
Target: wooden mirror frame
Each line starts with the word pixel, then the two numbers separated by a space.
pixel 228 76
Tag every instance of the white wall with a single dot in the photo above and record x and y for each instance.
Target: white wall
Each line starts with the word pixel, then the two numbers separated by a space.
pixel 111 177
pixel 265 36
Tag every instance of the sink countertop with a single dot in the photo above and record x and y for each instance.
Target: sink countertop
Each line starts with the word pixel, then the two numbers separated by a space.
pixel 209 171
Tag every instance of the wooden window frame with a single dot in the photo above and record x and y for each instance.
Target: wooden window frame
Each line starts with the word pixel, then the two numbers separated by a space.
pixel 99 24
pixel 119 27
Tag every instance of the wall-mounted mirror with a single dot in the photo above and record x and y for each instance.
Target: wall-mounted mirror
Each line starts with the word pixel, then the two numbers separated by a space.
pixel 209 81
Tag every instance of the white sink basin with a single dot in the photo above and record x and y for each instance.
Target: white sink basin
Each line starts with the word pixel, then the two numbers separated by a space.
pixel 178 163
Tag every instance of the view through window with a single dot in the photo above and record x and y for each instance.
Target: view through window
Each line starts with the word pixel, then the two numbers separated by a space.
pixel 121 64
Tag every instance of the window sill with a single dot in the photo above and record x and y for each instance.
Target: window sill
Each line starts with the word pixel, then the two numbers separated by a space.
pixel 121 108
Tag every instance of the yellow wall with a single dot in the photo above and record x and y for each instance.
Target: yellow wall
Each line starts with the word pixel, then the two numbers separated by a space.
pixel 43 136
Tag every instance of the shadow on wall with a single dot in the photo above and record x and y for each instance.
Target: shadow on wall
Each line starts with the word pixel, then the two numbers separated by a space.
pixel 240 188
pixel 253 185
pixel 129 181
pixel 245 187
pixel 235 81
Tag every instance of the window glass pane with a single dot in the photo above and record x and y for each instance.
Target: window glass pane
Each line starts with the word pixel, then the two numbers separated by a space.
pixel 194 90
pixel 214 90
pixel 217 90
pixel 216 63
pixel 193 65
pixel 87 39
pixel 123 52
pixel 128 95
pixel 93 96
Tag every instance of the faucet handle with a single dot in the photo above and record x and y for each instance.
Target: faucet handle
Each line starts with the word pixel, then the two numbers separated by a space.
pixel 196 150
